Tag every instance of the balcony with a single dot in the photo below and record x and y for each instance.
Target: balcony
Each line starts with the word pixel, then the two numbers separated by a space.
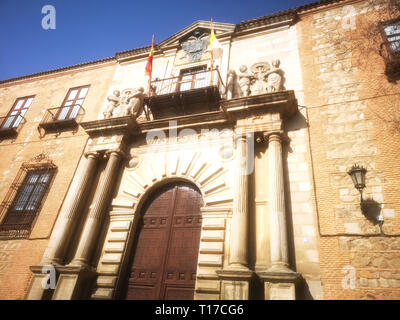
pixel 60 119
pixel 390 51
pixel 11 125
pixel 195 92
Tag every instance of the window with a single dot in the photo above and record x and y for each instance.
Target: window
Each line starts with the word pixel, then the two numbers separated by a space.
pixel 72 103
pixel 24 199
pixel 391 32
pixel 193 78
pixel 17 113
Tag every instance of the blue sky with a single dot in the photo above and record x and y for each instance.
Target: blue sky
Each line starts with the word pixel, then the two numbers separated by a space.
pixel 94 29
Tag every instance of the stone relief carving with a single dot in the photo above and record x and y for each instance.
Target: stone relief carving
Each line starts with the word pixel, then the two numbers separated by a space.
pixel 274 77
pixel 113 103
pixel 259 70
pixel 127 103
pixel 230 84
pixel 263 77
pixel 245 78
pixel 132 102
pixel 196 45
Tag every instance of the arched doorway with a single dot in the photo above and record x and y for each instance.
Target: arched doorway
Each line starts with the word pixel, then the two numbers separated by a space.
pixel 165 256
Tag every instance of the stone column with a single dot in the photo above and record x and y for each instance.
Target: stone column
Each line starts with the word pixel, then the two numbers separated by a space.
pixel 279 279
pixel 236 277
pixel 72 205
pixel 278 228
pixel 91 230
pixel 70 212
pixel 75 279
pixel 239 224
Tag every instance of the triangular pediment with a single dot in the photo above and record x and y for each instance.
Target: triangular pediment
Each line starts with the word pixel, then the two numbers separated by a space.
pixel 220 29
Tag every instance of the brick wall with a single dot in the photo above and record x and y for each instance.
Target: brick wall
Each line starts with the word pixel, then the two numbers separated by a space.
pixel 346 95
pixel 64 150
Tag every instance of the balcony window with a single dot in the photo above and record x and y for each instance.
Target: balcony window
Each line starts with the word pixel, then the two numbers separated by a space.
pixel 192 78
pixel 195 90
pixel 15 117
pixel 72 102
pixel 390 47
pixel 68 115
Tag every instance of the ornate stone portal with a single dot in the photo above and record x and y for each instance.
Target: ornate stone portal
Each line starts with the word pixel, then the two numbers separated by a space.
pixel 223 269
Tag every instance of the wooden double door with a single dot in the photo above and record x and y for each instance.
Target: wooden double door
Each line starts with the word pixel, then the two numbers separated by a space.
pixel 165 256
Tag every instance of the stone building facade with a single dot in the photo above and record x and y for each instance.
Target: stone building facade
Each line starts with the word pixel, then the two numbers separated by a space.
pixel 226 178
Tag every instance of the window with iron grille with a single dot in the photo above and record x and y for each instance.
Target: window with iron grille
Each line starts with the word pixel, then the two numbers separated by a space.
pixel 17 112
pixel 391 31
pixel 25 197
pixel 72 103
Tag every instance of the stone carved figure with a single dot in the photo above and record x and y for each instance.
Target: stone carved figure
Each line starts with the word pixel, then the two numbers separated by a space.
pixel 259 71
pixel 230 85
pixel 274 77
pixel 113 103
pixel 262 78
pixel 245 78
pixel 132 102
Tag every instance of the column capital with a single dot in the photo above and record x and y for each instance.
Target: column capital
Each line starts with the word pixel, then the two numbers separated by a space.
pixel 92 154
pixel 269 136
pixel 117 152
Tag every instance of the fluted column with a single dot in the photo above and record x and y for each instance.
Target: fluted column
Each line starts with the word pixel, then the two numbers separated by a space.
pixel 70 211
pixel 278 227
pixel 236 277
pixel 91 230
pixel 239 225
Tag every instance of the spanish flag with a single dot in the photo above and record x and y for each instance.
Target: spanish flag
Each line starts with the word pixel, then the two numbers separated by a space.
pixel 149 65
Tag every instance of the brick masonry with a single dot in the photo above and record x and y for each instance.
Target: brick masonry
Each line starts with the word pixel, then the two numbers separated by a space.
pixel 345 128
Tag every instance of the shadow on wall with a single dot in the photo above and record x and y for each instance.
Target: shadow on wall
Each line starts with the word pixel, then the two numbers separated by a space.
pixel 371 210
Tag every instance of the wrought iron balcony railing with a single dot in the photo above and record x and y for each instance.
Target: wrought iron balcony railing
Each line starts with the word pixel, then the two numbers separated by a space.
pixel 189 81
pixel 61 118
pixel 192 92
pixel 11 125
pixel 390 51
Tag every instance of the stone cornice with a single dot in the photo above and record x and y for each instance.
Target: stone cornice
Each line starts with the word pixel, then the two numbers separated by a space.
pixel 51 71
pixel 283 104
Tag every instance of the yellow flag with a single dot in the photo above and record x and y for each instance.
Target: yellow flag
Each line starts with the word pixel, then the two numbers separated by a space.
pixel 214 43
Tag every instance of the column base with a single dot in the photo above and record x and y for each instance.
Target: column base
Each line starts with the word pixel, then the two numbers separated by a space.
pixel 279 283
pixel 74 282
pixel 235 283
pixel 37 288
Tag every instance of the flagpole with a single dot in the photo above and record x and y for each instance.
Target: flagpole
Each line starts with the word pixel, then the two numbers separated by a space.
pixel 152 45
pixel 151 71
pixel 212 55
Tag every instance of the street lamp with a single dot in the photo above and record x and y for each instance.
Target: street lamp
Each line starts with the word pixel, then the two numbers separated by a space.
pixel 357 174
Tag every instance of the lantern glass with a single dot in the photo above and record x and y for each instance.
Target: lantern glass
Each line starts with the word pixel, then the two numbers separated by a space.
pixel 358 176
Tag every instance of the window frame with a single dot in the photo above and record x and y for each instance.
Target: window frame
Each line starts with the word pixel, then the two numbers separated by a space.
pixel 19 111
pixel 386 37
pixel 73 104
pixel 17 224
pixel 193 72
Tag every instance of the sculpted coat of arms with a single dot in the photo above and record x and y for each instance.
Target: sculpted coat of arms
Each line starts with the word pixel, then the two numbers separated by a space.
pixel 196 45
